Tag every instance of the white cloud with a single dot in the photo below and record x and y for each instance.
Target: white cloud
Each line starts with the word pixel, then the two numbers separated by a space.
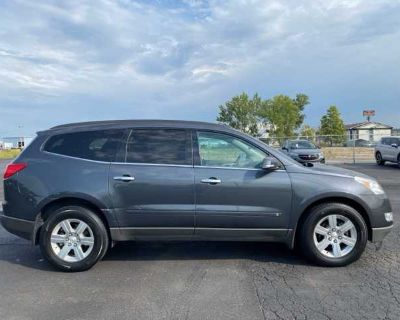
pixel 202 51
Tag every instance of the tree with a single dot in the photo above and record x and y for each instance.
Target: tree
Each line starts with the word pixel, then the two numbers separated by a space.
pixel 283 114
pixel 307 132
pixel 333 125
pixel 241 113
pixel 301 101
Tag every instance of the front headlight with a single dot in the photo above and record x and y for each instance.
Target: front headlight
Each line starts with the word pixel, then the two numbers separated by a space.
pixel 370 184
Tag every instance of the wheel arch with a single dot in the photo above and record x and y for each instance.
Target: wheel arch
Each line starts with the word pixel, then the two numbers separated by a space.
pixel 55 204
pixel 332 199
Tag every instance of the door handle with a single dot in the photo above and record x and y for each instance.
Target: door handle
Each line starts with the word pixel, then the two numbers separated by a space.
pixel 211 181
pixel 124 178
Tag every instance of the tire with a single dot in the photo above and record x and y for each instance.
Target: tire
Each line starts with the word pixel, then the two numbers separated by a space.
pixel 379 160
pixel 398 160
pixel 84 234
pixel 341 247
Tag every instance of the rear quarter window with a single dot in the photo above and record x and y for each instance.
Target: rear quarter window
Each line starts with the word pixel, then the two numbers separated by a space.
pixel 99 145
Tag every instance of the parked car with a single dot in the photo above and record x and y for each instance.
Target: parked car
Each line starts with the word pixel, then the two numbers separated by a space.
pixel 303 151
pixel 388 149
pixel 79 188
pixel 360 143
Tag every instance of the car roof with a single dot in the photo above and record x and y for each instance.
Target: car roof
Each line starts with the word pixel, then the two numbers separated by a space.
pixel 122 124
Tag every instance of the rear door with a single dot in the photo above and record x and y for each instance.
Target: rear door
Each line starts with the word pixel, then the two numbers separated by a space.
pixel 152 188
pixel 394 151
pixel 235 198
pixel 384 148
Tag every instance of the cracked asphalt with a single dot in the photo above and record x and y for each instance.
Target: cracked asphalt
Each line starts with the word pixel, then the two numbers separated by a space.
pixel 204 280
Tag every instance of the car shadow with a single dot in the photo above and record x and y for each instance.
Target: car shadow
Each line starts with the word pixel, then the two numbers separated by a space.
pixel 30 257
pixel 204 250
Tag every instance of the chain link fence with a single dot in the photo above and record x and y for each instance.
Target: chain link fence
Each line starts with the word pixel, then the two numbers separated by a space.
pixel 345 148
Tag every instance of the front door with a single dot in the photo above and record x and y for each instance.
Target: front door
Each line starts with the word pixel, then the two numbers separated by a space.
pixel 152 189
pixel 234 196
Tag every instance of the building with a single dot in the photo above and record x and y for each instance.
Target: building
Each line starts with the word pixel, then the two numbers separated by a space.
pixel 368 130
pixel 14 142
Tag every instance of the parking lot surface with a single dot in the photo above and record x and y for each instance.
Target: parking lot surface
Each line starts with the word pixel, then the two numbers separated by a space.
pixel 204 280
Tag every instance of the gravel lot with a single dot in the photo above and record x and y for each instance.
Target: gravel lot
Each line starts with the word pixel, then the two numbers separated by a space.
pixel 206 280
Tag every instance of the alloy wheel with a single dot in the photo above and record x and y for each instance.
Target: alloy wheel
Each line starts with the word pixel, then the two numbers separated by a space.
pixel 335 236
pixel 72 240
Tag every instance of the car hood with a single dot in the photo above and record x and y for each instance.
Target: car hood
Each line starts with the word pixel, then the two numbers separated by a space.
pixel 329 170
pixel 305 151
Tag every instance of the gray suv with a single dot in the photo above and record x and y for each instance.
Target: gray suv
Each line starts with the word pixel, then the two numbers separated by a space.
pixel 388 149
pixel 303 151
pixel 79 188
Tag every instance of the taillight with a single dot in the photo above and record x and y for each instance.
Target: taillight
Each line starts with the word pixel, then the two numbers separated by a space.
pixel 13 168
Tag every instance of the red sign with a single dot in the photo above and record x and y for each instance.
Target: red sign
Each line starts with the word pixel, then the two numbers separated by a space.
pixel 369 113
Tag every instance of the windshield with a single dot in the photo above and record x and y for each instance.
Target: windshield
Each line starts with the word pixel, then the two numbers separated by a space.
pixel 302 145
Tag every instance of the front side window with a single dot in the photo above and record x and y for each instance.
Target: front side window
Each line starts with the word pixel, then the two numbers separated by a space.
pixel 159 146
pixel 99 145
pixel 221 150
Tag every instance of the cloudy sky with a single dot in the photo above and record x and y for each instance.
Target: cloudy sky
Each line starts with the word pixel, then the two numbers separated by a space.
pixel 66 61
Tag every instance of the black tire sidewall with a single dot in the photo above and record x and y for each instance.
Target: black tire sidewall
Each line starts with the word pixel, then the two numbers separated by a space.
pixel 87 216
pixel 307 234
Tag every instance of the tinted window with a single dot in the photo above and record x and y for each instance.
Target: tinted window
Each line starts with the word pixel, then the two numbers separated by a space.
pixel 222 150
pixel 159 146
pixel 93 145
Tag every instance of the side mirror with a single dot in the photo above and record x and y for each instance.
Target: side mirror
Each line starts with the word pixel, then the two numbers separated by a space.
pixel 270 164
pixel 284 148
pixel 394 145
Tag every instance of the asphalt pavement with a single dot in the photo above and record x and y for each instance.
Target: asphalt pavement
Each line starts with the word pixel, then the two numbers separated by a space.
pixel 205 280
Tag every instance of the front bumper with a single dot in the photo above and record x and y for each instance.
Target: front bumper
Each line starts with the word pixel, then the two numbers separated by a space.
pixel 378 234
pixel 319 160
pixel 19 227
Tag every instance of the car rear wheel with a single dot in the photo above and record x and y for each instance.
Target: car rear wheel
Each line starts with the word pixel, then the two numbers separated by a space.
pixel 73 238
pixel 379 160
pixel 333 235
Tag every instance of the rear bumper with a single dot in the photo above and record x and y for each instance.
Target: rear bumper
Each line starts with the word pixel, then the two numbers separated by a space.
pixel 19 227
pixel 378 234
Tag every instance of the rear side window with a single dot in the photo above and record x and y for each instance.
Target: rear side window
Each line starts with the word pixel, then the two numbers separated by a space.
pixel 92 145
pixel 159 146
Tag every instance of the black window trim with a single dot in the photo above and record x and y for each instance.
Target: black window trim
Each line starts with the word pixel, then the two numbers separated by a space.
pixel 196 157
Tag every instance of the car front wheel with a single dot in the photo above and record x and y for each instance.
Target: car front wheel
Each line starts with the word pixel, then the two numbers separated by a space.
pixel 333 235
pixel 73 238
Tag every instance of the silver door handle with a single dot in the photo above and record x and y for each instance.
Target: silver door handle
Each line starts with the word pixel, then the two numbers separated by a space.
pixel 211 181
pixel 124 178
